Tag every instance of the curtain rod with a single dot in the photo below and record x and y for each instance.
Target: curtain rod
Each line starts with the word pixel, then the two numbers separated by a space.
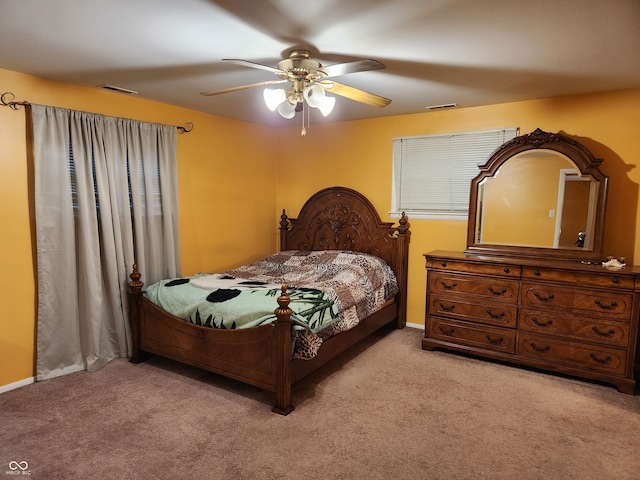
pixel 7 100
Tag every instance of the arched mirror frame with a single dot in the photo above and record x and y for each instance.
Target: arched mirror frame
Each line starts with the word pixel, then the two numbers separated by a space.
pixel 584 161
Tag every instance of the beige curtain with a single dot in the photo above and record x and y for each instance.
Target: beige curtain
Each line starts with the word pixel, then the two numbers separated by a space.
pixel 105 197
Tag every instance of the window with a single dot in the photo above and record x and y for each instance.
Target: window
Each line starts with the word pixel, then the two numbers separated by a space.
pixel 432 174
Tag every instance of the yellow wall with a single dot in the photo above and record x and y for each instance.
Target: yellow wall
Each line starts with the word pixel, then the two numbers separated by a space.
pixel 231 190
pixel 358 155
pixel 225 214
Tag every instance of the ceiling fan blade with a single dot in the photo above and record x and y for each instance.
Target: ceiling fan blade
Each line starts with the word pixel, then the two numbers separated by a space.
pixel 351 67
pixel 242 87
pixel 355 94
pixel 247 63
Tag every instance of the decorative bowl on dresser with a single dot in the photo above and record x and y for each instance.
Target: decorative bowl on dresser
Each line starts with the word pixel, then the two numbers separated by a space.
pixel 540 298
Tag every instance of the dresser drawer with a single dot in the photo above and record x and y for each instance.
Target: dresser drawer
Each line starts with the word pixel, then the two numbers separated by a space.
pixel 488 338
pixel 584 279
pixel 503 315
pixel 611 305
pixel 495 269
pixel 576 327
pixel 495 289
pixel 570 353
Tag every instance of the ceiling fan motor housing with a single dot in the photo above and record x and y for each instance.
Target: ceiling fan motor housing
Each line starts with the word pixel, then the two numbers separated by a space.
pixel 300 67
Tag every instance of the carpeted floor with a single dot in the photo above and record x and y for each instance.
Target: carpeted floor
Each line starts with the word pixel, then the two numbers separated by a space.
pixel 386 410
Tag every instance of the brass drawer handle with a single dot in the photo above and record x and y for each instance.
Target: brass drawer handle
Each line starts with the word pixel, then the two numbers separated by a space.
pixel 604 360
pixel 447 308
pixel 495 315
pixel 603 334
pixel 495 341
pixel 542 298
pixel 541 324
pixel 498 292
pixel 448 287
pixel 446 332
pixel 546 348
pixel 611 306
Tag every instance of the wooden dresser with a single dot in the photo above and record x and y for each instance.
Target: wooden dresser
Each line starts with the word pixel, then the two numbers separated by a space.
pixel 554 315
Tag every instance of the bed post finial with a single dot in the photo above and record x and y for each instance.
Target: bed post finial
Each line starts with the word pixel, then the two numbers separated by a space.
pixel 283 313
pixel 403 226
pixel 135 285
pixel 284 229
pixel 284 220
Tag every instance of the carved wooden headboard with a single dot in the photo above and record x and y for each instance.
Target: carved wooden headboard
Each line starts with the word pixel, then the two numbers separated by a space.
pixel 339 218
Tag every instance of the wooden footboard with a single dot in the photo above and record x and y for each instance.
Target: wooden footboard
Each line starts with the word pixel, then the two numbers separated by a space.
pixel 259 356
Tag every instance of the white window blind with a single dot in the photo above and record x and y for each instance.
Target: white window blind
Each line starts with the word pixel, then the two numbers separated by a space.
pixel 432 174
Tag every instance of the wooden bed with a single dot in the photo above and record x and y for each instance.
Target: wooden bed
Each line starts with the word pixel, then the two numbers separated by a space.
pixel 335 218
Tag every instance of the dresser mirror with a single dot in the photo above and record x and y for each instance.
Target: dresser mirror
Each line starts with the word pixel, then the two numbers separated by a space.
pixel 540 195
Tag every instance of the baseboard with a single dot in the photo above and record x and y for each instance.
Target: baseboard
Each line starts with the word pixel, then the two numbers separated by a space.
pixel 416 325
pixel 18 384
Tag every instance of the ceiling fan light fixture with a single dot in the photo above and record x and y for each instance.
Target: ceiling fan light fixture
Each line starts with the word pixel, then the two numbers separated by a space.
pixel 314 95
pixel 287 109
pixel 326 106
pixel 273 97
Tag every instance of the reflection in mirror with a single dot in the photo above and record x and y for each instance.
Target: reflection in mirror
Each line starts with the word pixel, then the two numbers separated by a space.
pixel 537 199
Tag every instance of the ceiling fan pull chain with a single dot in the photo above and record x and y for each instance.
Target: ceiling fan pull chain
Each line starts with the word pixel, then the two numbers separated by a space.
pixel 303 132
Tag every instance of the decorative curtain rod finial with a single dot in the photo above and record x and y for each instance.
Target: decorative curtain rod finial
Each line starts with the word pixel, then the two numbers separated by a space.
pixel 186 129
pixel 7 100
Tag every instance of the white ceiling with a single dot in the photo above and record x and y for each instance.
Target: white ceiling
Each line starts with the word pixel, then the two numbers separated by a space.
pixel 468 52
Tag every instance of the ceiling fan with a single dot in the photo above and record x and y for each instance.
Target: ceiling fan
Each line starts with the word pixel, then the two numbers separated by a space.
pixel 309 81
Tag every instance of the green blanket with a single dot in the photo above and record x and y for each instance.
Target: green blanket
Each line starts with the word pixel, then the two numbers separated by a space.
pixel 238 303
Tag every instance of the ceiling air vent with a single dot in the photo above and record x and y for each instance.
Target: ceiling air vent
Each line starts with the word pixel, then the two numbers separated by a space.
pixel 113 88
pixel 444 106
